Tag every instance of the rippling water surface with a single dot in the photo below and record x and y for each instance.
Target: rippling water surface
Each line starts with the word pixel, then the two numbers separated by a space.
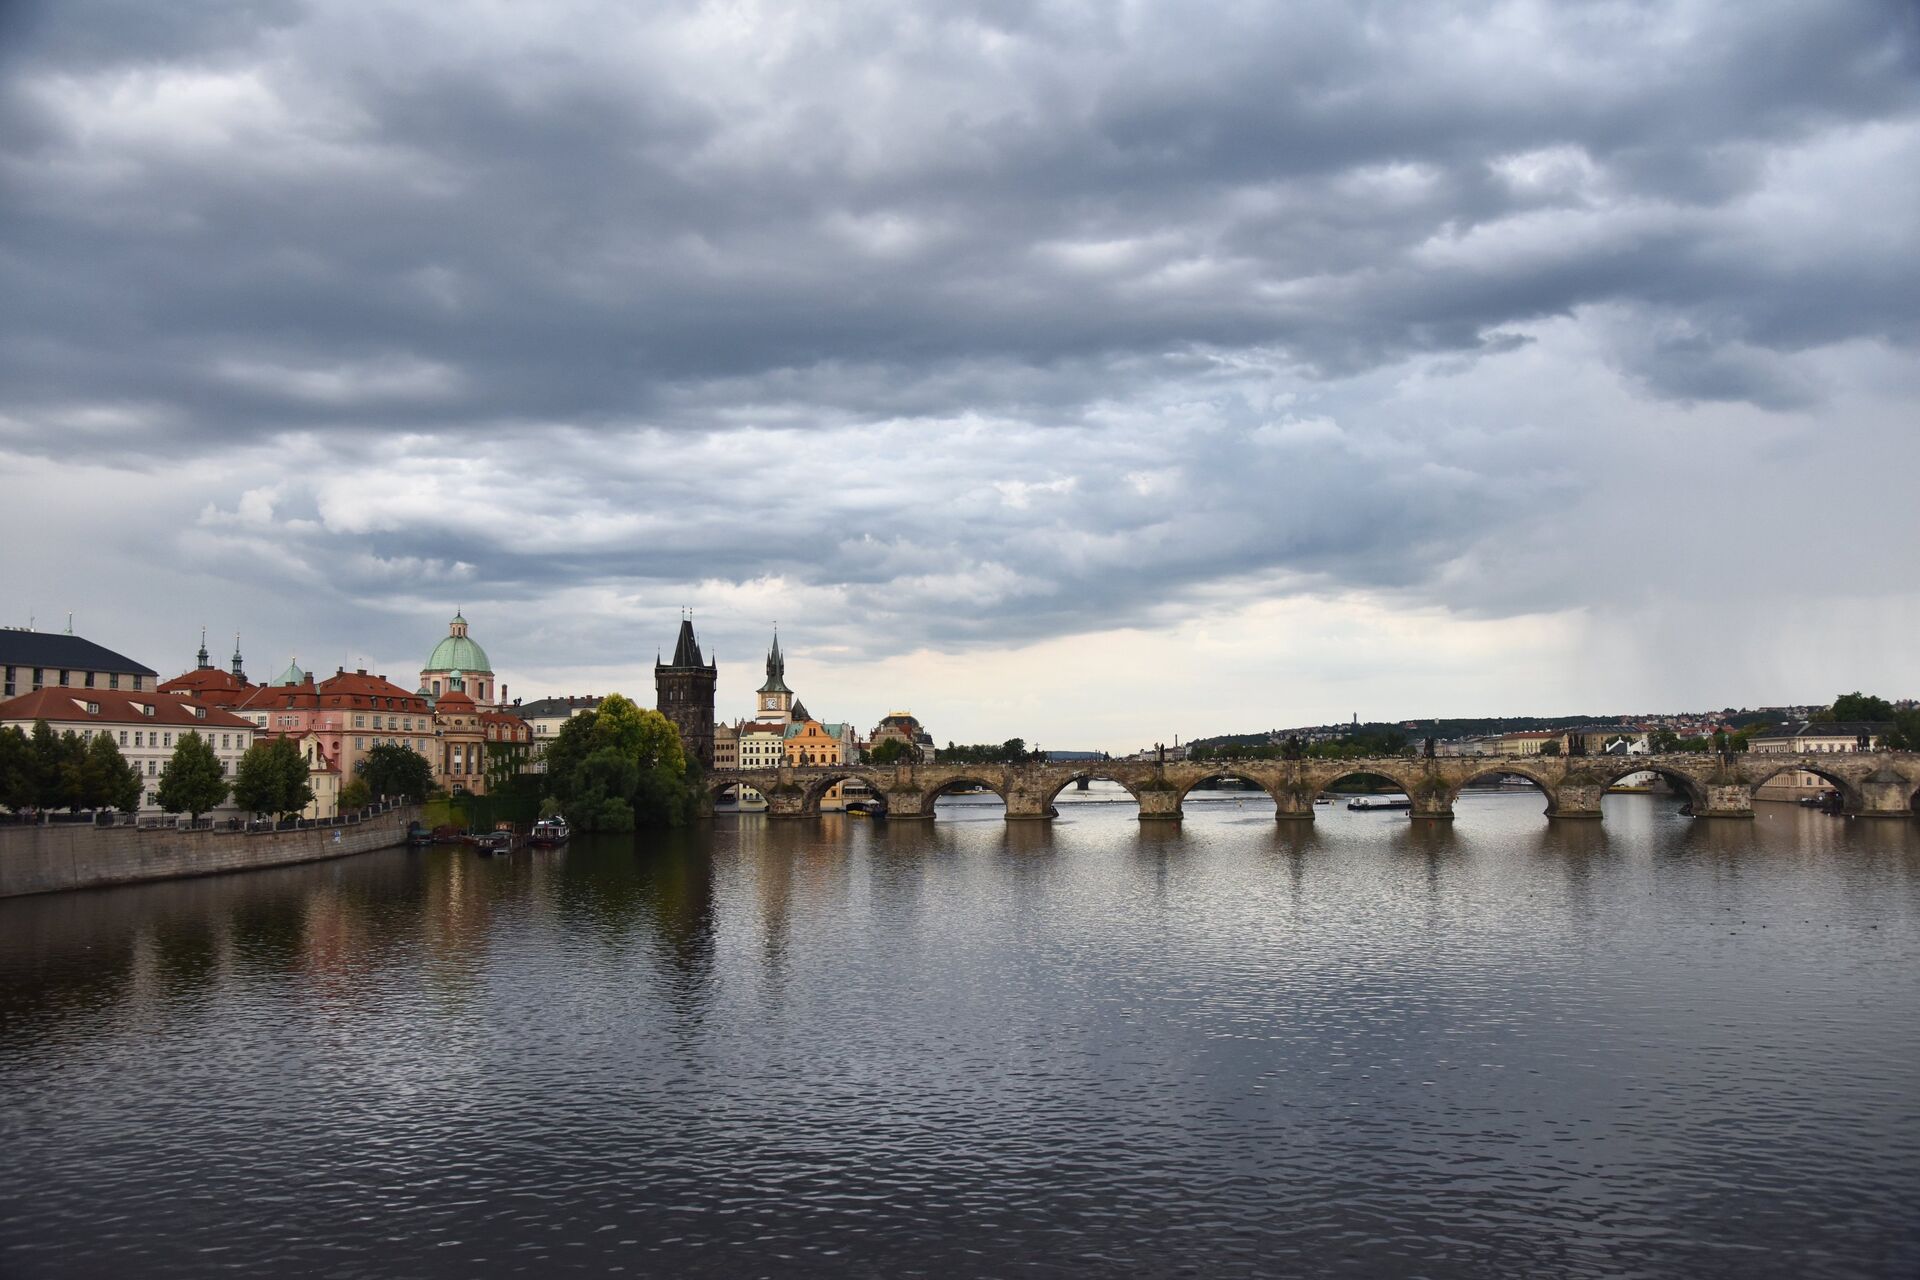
pixel 1368 1047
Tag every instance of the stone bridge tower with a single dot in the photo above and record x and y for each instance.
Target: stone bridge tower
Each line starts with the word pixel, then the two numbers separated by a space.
pixel 683 691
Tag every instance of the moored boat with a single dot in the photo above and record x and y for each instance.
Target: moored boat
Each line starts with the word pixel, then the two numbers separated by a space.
pixel 489 843
pixel 549 832
pixel 1378 802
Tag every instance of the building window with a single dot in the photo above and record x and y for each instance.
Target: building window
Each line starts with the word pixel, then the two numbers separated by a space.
pixel 113 679
pixel 359 722
pixel 89 679
pixel 123 737
pixel 64 674
pixel 139 739
pixel 169 739
pixel 359 744
pixel 149 768
pixel 39 676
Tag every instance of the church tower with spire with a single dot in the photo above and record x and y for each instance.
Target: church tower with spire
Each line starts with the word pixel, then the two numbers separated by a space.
pixel 683 691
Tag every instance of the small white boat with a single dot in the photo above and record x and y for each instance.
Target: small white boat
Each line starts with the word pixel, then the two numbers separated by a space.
pixel 549 832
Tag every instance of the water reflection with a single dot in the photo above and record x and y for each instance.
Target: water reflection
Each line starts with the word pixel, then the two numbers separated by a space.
pixel 1359 1046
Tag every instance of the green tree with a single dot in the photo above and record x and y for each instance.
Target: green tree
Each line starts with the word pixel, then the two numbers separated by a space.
pixel 108 780
pixel 392 770
pixel 17 788
pixel 356 795
pixel 72 769
pixel 620 766
pixel 47 767
pixel 273 778
pixel 892 751
pixel 192 781
pixel 1850 708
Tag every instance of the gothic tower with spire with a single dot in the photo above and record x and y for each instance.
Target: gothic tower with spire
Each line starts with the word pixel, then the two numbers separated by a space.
pixel 683 691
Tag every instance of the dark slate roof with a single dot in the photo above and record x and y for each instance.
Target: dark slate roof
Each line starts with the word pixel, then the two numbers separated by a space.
pixel 686 652
pixel 556 707
pixel 57 649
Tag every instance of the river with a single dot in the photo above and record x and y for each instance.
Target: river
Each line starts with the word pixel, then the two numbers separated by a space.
pixel 1367 1046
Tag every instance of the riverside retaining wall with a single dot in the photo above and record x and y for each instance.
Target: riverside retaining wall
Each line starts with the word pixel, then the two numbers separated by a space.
pixel 53 858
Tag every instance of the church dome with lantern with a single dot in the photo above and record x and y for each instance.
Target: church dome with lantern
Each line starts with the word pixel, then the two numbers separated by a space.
pixel 458 663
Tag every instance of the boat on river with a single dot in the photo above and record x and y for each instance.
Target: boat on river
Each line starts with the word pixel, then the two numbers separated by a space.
pixel 1379 802
pixel 550 832
pixel 491 842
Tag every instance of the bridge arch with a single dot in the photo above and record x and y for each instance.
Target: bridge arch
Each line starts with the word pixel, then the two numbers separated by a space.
pixel 1091 775
pixel 822 779
pixel 1760 774
pixel 947 786
pixel 1338 772
pixel 717 786
pixel 1508 769
pixel 1608 770
pixel 1238 775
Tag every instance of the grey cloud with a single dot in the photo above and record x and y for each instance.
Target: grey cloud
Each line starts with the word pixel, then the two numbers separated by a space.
pixel 606 253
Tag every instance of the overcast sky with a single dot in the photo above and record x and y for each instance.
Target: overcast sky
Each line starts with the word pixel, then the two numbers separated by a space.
pixel 1092 373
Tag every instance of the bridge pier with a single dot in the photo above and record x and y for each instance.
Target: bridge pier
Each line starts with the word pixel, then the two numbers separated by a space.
pixel 1292 806
pixel 1885 794
pixel 1431 804
pixel 1028 806
pixel 1726 800
pixel 1575 800
pixel 907 804
pixel 1160 804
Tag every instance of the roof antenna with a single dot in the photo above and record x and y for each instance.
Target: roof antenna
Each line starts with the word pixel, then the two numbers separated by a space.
pixel 69 622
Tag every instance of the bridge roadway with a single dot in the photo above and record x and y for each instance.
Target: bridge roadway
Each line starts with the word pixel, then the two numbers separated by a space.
pixel 1878 784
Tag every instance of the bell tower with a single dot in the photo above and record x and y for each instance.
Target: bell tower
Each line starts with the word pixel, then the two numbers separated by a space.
pixel 683 691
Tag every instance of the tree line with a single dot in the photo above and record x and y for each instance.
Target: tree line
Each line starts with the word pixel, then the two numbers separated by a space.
pixel 1354 746
pixel 45 772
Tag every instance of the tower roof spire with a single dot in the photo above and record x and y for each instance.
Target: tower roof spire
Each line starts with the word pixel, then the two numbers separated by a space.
pixel 686 650
pixel 776 668
pixel 201 662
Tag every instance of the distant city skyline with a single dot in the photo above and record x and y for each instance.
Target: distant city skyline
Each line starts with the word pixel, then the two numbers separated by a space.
pixel 1087 373
pixel 845 690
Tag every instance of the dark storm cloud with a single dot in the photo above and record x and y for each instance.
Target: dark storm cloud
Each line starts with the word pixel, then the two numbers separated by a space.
pixel 1080 252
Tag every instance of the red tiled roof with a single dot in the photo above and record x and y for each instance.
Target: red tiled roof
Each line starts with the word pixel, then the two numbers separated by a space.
pixel 208 683
pixel 117 706
pixel 281 697
pixel 377 693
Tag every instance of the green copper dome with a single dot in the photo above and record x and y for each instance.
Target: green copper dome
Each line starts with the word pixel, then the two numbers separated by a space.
pixel 292 675
pixel 458 651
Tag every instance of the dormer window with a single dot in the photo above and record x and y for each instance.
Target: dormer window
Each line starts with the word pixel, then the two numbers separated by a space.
pixel 93 708
pixel 201 712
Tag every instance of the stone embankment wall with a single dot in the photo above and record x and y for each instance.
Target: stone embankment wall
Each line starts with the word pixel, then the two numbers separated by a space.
pixel 53 858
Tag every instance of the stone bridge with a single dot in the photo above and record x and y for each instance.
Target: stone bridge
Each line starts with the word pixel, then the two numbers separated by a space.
pixel 1879 784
